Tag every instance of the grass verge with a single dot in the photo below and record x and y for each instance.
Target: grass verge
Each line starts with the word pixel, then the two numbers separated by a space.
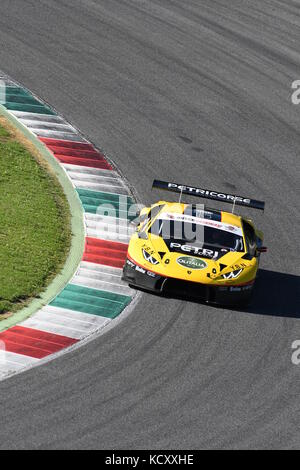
pixel 35 222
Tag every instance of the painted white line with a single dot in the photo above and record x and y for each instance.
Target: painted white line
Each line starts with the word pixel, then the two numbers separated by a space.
pixel 75 325
pixel 33 120
pixel 101 277
pixel 101 274
pixel 92 219
pixel 14 358
pixel 100 268
pixel 101 187
pixel 11 363
pixel 7 83
pixel 6 370
pixel 113 227
pixel 50 126
pixel 112 224
pixel 78 317
pixel 89 170
pixel 107 235
pixel 58 135
pixel 41 131
pixel 102 285
pixel 91 177
pixel 24 116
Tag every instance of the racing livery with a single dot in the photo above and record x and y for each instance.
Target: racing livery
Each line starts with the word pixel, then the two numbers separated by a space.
pixel 191 250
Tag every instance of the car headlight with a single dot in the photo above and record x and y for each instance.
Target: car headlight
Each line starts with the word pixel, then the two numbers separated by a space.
pixel 149 257
pixel 232 274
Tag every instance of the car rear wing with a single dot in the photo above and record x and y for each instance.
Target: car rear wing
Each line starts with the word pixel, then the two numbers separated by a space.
pixel 209 194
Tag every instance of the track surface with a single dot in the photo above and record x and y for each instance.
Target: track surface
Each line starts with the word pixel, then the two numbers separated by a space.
pixel 197 92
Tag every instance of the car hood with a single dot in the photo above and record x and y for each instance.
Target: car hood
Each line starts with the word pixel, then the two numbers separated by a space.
pixel 201 261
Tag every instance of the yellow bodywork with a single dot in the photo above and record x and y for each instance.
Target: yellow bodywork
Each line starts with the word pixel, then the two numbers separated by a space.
pixel 168 266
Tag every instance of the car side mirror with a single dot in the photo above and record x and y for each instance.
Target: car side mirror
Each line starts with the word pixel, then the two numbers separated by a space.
pixel 140 219
pixel 143 235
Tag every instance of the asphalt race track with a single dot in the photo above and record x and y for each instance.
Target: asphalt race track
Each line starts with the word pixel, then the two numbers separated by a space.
pixel 197 92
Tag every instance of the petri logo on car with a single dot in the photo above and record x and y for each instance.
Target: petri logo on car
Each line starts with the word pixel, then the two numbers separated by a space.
pixel 191 263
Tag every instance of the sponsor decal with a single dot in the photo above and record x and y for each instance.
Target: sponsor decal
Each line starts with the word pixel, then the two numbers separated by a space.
pixel 208 193
pixel 191 263
pixel 232 274
pixel 149 273
pixel 140 269
pixel 235 267
pixel 242 288
pixel 205 252
pixel 202 213
pixel 148 248
pixel 130 263
pixel 148 257
pixel 202 222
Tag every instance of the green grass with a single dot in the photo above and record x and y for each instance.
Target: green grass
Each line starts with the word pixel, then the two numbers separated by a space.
pixel 35 229
pixel 4 134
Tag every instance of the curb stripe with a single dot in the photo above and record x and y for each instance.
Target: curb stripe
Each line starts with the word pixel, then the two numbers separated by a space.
pixel 96 294
pixel 89 171
pixel 108 228
pixel 86 300
pixel 33 343
pixel 15 359
pixel 57 320
pixel 77 153
pixel 105 252
pixel 11 363
pixel 25 116
pixel 49 142
pixel 61 135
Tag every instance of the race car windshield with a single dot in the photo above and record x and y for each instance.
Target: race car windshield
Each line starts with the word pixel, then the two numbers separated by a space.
pixel 196 233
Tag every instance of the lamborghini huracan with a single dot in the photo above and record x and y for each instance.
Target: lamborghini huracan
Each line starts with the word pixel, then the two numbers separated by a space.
pixel 195 251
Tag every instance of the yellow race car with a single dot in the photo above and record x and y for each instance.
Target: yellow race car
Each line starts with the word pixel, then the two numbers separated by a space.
pixel 191 250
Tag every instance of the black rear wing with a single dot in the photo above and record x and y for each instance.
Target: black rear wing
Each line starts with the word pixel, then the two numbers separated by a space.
pixel 209 194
